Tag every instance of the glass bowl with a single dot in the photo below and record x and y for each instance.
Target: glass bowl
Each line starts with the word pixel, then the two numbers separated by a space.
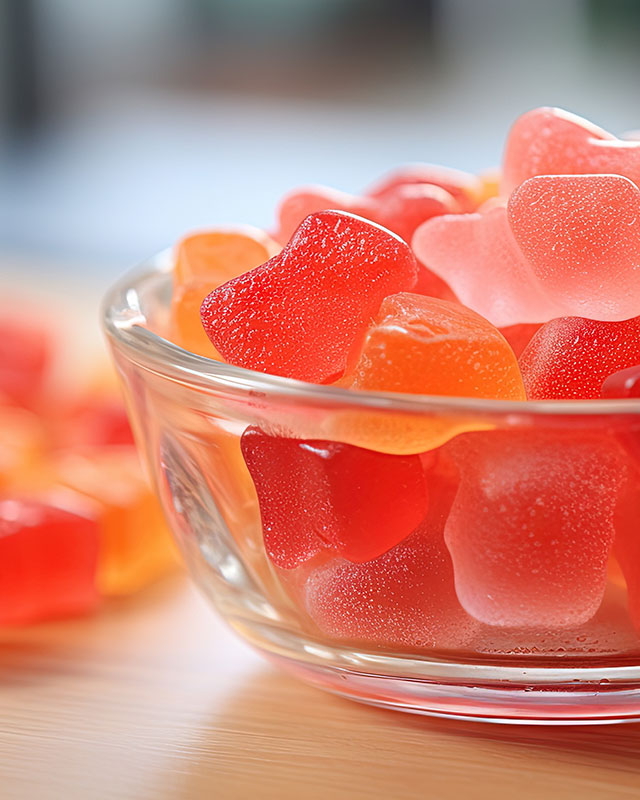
pixel 515 599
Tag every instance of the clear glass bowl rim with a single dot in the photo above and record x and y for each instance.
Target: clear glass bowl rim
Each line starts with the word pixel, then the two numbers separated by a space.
pixel 124 320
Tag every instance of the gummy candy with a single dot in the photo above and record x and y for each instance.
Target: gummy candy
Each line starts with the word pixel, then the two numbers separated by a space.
pixel 627 543
pixel 203 262
pixel 400 209
pixel 624 383
pixel 581 236
pixel 478 257
pixel 608 632
pixel 405 597
pixel 96 421
pixel 569 358
pixel 551 141
pixel 22 443
pixel 466 189
pixel 135 543
pixel 220 254
pixel 423 345
pixel 519 336
pixel 318 495
pixel 298 204
pixel 300 314
pixel 24 359
pixel 527 549
pixel 48 558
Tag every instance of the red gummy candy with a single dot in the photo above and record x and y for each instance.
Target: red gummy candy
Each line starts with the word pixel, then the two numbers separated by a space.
pixel 624 383
pixel 298 204
pixel 315 495
pixel 401 209
pixel 405 597
pixel 581 236
pixel 519 336
pixel 48 561
pixel 551 141
pixel 466 189
pixel 627 544
pixel 528 549
pixel 301 313
pixel 570 357
pixel 24 358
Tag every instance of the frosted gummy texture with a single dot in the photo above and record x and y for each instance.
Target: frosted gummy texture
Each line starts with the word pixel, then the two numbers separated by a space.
pixel 269 318
pixel 528 548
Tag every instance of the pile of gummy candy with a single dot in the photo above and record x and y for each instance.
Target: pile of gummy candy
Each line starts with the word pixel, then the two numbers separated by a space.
pixel 522 284
pixel 78 520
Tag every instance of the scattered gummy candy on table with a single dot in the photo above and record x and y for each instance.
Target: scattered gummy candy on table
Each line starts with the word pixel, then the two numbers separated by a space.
pixel 449 530
pixel 78 519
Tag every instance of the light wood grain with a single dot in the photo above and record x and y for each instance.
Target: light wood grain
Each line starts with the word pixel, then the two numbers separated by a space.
pixel 154 698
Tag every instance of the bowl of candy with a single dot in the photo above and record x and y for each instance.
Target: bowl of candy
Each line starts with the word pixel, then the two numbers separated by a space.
pixel 397 440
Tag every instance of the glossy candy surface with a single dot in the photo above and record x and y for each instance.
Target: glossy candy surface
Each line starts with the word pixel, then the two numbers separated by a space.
pixel 622 384
pixel 48 561
pixel 300 314
pixel 317 495
pixel 423 345
pixel 570 358
pixel 526 547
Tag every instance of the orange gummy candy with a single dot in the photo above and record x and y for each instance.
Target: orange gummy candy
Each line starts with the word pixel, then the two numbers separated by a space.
pixel 135 546
pixel 22 443
pixel 423 345
pixel 203 262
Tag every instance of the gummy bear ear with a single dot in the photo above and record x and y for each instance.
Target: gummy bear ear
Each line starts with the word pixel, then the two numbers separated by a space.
pixel 581 236
pixel 551 141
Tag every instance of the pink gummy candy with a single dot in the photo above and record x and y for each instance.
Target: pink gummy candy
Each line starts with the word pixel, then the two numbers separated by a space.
pixel 526 547
pixel 570 357
pixel 405 597
pixel 301 313
pixel 478 257
pixel 316 495
pixel 581 235
pixel 550 141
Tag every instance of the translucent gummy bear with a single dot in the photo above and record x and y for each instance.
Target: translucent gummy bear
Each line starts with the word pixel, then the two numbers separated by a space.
pixel 551 141
pixel 479 258
pixel 531 527
pixel 581 236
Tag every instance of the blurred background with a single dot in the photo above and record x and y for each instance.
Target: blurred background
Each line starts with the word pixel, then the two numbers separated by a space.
pixel 125 123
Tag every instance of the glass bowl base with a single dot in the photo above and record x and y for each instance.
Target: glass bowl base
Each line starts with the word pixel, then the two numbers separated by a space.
pixel 524 705
pixel 529 694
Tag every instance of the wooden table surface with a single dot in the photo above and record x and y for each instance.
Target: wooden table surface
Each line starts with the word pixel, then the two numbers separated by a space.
pixel 154 698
